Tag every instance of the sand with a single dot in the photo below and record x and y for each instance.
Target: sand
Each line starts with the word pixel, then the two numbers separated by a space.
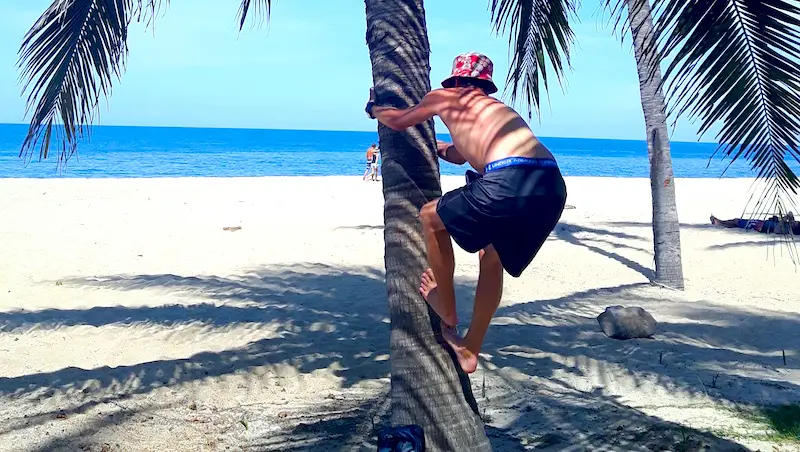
pixel 130 320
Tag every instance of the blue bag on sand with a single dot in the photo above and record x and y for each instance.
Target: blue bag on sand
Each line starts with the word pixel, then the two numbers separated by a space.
pixel 408 438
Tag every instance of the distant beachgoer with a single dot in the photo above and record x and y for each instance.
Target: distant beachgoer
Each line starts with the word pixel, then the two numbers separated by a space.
pixel 509 206
pixel 371 158
pixel 376 156
pixel 768 226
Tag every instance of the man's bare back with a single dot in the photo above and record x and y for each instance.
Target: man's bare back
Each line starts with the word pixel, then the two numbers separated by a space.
pixel 483 128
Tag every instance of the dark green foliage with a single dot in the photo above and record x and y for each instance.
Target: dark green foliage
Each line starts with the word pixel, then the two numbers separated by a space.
pixel 539 30
pixel 736 61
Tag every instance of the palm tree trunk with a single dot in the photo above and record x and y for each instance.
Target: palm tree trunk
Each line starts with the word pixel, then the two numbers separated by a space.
pixel 427 387
pixel 666 229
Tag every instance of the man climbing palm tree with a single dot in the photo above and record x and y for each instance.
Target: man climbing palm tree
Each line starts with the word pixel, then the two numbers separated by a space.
pixel 506 210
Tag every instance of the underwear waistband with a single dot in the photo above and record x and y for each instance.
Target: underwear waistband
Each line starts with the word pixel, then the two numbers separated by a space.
pixel 520 161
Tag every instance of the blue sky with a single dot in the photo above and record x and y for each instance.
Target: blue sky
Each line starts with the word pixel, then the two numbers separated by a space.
pixel 309 69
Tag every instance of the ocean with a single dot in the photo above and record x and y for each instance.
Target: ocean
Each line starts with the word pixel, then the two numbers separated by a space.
pixel 130 152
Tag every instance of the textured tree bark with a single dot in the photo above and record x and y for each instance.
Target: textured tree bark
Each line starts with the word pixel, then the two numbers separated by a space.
pixel 666 228
pixel 427 388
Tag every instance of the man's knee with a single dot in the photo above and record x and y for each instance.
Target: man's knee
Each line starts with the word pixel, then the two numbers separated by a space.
pixel 489 258
pixel 430 218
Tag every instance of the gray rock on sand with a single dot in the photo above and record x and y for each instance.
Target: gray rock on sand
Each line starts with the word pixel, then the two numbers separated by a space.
pixel 622 323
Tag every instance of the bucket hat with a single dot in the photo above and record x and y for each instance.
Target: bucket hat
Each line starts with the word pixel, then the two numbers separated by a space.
pixel 475 66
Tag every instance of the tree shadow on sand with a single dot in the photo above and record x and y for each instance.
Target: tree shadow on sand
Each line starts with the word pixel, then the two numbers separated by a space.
pixel 593 239
pixel 561 421
pixel 549 355
pixel 642 224
pixel 317 313
pixel 701 348
pixel 734 238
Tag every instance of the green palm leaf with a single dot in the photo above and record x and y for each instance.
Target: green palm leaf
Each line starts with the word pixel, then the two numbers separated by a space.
pixel 539 31
pixel 736 62
pixel 68 59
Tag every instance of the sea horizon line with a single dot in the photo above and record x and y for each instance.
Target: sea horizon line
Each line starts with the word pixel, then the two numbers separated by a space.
pixel 109 126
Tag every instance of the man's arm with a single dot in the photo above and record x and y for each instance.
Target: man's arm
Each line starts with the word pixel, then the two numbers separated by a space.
pixel 448 152
pixel 401 119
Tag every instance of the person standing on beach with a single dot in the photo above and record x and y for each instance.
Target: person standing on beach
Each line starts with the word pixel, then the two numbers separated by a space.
pixel 371 158
pixel 376 164
pixel 506 210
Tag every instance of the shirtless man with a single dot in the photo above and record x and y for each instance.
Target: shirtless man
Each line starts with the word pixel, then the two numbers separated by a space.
pixel 506 210
pixel 371 160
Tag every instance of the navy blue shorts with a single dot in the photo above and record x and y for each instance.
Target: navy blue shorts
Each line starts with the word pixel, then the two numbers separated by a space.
pixel 514 208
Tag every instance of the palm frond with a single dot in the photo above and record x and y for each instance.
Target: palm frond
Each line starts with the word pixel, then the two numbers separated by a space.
pixel 539 31
pixel 68 60
pixel 618 15
pixel 735 62
pixel 147 10
pixel 261 7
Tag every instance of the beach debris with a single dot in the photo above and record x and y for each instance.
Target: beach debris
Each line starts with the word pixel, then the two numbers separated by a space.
pixel 244 424
pixel 545 441
pixel 231 228
pixel 193 406
pixel 623 323
pixel 406 438
pixel 568 207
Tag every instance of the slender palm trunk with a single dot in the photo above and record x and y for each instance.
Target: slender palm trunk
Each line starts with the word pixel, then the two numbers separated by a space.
pixel 427 387
pixel 666 229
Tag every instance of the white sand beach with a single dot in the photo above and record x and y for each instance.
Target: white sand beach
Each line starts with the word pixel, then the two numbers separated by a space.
pixel 131 321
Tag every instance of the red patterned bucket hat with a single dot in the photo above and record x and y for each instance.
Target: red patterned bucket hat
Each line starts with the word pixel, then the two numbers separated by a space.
pixel 472 65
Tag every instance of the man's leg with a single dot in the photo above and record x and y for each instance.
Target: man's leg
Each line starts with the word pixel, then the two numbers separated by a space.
pixel 436 285
pixel 487 299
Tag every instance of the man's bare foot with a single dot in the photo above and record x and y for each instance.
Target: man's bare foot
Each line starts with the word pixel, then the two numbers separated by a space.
pixel 427 287
pixel 467 359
